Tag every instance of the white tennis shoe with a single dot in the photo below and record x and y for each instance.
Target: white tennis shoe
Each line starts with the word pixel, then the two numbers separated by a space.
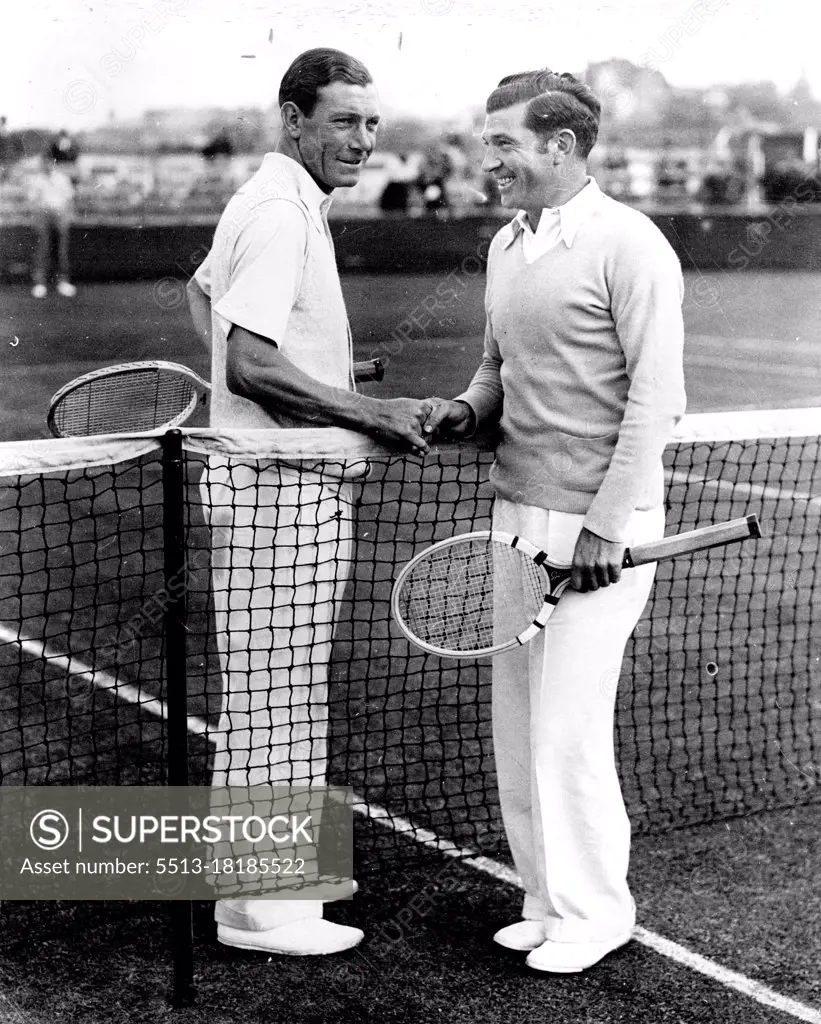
pixel 311 936
pixel 572 957
pixel 521 936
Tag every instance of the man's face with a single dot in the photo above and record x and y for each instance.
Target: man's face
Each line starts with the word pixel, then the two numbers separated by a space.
pixel 520 161
pixel 337 139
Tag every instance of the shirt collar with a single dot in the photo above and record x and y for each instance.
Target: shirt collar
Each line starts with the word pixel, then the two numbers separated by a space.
pixel 572 215
pixel 288 171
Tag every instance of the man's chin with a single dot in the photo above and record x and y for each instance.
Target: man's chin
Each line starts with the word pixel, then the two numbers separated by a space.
pixel 347 179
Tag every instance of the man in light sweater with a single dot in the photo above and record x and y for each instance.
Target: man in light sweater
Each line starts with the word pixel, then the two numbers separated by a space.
pixel 583 372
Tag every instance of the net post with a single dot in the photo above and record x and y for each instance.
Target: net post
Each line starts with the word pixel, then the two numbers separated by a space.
pixel 174 628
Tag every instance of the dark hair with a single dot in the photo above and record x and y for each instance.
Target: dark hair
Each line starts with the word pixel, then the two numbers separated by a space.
pixel 519 88
pixel 317 68
pixel 554 101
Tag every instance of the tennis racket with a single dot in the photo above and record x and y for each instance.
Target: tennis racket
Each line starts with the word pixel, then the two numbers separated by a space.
pixel 444 599
pixel 134 397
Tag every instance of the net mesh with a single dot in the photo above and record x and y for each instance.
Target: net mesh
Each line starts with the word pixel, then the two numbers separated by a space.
pixel 718 708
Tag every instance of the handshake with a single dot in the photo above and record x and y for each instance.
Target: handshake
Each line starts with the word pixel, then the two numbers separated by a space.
pixel 447 418
pixel 412 424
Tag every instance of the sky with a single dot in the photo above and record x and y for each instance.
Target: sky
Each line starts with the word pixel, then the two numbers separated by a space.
pixel 76 63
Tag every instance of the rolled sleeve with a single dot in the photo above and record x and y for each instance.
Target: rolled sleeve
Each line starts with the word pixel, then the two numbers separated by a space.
pixel 202 275
pixel 266 271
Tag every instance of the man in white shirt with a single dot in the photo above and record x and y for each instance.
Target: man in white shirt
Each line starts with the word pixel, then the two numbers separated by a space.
pixel 281 538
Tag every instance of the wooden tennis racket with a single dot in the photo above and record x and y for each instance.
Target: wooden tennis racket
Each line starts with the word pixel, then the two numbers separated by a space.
pixel 134 397
pixel 443 600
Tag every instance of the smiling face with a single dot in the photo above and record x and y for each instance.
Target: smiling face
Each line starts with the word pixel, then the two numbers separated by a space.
pixel 339 136
pixel 528 169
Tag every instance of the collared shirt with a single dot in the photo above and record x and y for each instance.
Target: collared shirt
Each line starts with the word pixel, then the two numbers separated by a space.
pixel 272 270
pixel 557 223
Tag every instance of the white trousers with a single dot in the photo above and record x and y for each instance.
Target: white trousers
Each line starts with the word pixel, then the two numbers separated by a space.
pixel 281 544
pixel 553 709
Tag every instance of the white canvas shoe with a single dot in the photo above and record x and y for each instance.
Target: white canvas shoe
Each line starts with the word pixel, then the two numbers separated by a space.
pixel 39 291
pixel 311 936
pixel 66 289
pixel 522 936
pixel 572 957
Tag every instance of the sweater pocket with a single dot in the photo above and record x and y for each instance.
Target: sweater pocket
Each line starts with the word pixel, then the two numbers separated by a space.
pixel 558 471
pixel 578 464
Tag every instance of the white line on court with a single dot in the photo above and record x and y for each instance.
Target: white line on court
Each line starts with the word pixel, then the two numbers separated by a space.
pixel 672 950
pixel 424 837
pixel 730 979
pixel 743 489
pixel 76 667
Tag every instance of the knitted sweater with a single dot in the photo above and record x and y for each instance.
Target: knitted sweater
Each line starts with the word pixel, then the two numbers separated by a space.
pixel 583 368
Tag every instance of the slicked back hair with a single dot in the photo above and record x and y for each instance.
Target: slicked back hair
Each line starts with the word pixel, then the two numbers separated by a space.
pixel 554 101
pixel 313 70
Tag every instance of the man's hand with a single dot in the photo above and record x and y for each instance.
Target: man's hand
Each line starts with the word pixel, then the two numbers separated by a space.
pixel 399 421
pixel 596 562
pixel 454 418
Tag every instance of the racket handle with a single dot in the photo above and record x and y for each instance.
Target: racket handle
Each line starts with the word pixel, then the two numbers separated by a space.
pixel 693 540
pixel 369 369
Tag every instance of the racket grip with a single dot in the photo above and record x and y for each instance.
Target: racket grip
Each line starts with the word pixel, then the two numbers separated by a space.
pixel 693 540
pixel 369 369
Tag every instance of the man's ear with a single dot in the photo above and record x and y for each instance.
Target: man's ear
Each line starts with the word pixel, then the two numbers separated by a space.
pixel 565 145
pixel 291 118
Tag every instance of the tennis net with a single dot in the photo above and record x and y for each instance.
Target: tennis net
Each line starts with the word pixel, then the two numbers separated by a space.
pixel 718 708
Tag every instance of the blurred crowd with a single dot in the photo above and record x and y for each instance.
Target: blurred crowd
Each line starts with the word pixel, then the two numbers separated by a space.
pixel 442 179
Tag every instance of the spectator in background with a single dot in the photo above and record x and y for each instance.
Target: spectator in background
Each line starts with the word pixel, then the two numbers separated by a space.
pixel 395 197
pixel 6 150
pixel 790 179
pixel 217 183
pixel 219 146
pixel 64 151
pixel 489 195
pixel 616 173
pixel 671 177
pixel 432 181
pixel 722 185
pixel 51 196
pixel 459 170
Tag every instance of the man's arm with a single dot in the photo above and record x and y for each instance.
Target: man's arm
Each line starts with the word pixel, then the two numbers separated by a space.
pixel 257 370
pixel 646 294
pixel 199 306
pixel 477 407
pixel 266 276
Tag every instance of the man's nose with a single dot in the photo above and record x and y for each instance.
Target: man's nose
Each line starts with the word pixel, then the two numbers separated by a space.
pixel 491 161
pixel 361 140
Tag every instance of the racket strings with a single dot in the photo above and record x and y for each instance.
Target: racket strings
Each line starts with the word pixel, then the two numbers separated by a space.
pixel 144 399
pixel 472 596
